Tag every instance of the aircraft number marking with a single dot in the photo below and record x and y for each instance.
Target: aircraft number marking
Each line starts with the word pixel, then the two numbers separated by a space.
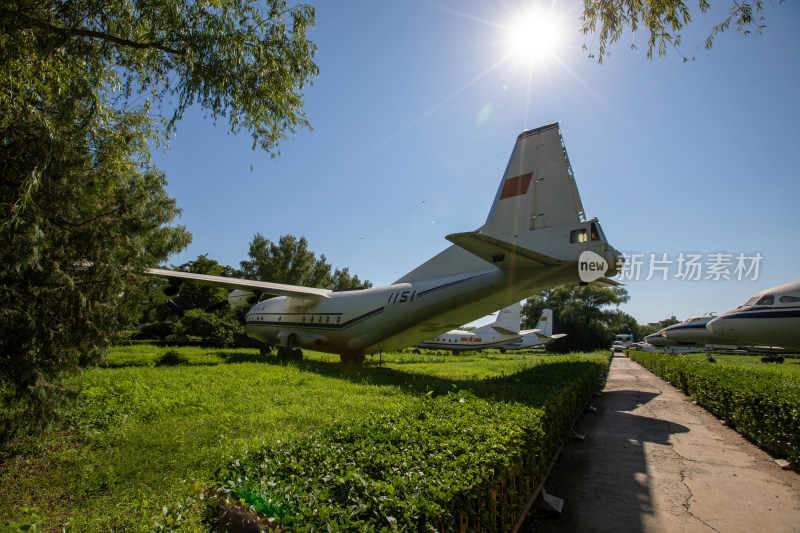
pixel 401 297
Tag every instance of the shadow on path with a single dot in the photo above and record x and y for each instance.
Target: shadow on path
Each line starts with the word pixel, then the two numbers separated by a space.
pixel 604 479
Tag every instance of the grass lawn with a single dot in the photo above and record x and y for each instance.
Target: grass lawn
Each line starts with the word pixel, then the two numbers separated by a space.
pixel 152 426
pixel 790 366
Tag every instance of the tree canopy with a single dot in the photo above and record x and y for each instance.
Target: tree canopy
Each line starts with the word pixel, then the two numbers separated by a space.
pixel 290 261
pixel 87 87
pixel 584 313
pixel 662 21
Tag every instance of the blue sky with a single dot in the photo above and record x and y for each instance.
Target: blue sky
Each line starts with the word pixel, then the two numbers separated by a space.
pixel 415 113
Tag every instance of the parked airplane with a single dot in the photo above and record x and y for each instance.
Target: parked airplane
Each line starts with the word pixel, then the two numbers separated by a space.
pixel 499 333
pixel 660 341
pixel 770 318
pixel 539 336
pixel 693 332
pixel 503 333
pixel 532 239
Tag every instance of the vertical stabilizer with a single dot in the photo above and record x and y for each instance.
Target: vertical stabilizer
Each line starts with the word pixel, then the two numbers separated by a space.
pixel 545 324
pixel 508 318
pixel 538 189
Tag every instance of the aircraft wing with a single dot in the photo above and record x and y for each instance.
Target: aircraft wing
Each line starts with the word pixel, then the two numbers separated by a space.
pixel 495 251
pixel 264 287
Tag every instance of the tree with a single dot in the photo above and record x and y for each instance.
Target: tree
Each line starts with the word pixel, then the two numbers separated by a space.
pixel 192 295
pixel 620 322
pixel 578 311
pixel 663 21
pixel 667 322
pixel 290 261
pixel 87 88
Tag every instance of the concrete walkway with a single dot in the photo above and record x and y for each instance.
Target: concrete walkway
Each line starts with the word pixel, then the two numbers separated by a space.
pixel 653 462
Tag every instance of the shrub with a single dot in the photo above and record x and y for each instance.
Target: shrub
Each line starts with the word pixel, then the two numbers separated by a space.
pixel 465 460
pixel 761 405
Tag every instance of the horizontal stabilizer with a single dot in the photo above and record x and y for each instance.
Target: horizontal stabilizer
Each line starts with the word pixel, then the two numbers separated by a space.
pixel 504 331
pixel 605 282
pixel 558 336
pixel 502 254
pixel 261 287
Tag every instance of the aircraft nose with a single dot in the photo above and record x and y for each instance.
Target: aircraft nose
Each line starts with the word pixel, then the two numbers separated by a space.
pixel 719 326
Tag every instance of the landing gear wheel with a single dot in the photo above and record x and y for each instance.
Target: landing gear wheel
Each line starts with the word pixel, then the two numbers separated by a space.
pixel 265 349
pixel 283 354
pixel 296 355
pixel 356 359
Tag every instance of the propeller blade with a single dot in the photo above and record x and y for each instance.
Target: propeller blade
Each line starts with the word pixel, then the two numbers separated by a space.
pixel 175 308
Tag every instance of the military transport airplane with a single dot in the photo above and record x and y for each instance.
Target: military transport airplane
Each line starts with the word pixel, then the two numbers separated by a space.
pixel 532 239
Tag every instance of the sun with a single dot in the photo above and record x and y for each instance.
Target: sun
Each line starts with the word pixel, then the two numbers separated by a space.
pixel 535 36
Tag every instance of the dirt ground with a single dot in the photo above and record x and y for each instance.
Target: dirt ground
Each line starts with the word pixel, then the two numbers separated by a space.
pixel 654 462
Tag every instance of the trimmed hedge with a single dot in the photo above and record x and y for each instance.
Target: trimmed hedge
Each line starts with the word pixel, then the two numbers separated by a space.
pixel 460 461
pixel 763 406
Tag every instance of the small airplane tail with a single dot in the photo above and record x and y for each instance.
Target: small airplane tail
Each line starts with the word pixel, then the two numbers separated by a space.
pixel 507 322
pixel 545 324
pixel 508 318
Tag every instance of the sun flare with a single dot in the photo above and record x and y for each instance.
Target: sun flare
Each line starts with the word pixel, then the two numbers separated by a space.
pixel 534 37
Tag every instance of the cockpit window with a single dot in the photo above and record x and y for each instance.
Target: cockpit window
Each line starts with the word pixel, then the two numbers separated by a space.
pixel 578 235
pixel 788 299
pixel 766 300
pixel 596 235
pixel 751 301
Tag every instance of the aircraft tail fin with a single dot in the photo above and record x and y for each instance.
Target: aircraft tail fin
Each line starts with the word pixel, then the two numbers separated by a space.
pixel 545 324
pixel 508 318
pixel 538 189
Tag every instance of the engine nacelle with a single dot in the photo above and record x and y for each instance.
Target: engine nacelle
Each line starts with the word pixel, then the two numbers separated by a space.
pixel 242 299
pixel 165 292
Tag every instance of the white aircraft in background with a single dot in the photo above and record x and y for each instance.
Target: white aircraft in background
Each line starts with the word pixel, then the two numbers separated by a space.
pixel 541 335
pixel 693 332
pixel 532 239
pixel 499 333
pixel 770 318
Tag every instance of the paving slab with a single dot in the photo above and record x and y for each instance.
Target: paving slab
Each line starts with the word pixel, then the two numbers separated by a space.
pixel 654 462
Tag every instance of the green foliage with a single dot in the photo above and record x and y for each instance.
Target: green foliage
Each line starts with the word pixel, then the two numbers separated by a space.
pixel 171 358
pixel 669 322
pixel 578 311
pixel 212 329
pixel 663 22
pixel 155 330
pixel 142 437
pixel 467 459
pixel 82 210
pixel 762 404
pixel 290 261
